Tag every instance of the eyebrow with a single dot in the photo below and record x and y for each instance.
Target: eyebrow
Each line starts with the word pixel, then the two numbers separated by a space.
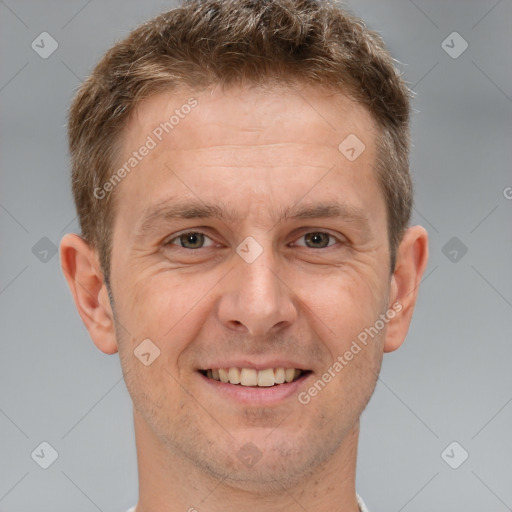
pixel 194 209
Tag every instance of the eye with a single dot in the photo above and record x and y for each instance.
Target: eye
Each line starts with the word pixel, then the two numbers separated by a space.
pixel 191 240
pixel 198 240
pixel 316 240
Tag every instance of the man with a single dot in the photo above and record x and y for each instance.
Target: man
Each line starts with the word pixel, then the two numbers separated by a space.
pixel 240 171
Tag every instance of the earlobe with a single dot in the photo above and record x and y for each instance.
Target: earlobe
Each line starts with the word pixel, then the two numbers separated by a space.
pixel 85 280
pixel 412 257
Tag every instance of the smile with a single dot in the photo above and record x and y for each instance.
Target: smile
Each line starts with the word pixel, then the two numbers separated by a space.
pixel 256 378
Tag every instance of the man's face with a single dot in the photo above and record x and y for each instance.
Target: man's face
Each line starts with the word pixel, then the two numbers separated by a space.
pixel 312 276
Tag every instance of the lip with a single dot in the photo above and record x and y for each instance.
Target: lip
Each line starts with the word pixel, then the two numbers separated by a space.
pixel 257 365
pixel 254 395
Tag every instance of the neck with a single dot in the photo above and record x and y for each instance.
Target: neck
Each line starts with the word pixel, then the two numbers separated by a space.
pixel 168 478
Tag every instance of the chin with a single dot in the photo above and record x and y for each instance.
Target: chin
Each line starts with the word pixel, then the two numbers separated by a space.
pixel 265 478
pixel 272 470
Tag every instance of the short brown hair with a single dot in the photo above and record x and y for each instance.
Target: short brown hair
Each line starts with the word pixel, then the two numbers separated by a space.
pixel 256 42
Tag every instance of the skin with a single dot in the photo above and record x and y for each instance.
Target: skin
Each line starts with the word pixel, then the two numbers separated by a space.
pixel 253 153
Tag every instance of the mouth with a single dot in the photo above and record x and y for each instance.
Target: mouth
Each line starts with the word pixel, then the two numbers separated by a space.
pixel 250 377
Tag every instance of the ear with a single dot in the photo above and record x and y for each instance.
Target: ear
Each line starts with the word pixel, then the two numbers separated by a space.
pixel 81 269
pixel 412 257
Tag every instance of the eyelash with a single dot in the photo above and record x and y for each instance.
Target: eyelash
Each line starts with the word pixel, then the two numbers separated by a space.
pixel 169 242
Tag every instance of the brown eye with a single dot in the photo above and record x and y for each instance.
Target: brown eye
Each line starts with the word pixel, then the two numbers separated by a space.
pixel 317 240
pixel 190 240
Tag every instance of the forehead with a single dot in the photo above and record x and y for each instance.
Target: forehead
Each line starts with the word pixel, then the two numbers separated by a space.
pixel 248 115
pixel 268 145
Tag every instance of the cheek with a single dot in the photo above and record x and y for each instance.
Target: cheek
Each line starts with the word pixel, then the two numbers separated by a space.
pixel 155 391
pixel 156 320
pixel 166 308
pixel 342 304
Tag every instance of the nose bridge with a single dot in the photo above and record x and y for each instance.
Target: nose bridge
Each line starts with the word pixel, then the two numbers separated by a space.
pixel 256 298
pixel 258 284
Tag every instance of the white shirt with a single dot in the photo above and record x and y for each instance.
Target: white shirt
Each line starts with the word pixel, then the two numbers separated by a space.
pixel 360 502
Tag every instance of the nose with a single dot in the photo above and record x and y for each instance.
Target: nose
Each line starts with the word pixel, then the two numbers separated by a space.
pixel 256 299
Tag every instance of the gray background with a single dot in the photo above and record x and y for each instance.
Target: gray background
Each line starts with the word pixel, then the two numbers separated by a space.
pixel 450 381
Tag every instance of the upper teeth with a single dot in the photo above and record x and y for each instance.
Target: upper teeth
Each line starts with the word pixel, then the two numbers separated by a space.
pixel 252 377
